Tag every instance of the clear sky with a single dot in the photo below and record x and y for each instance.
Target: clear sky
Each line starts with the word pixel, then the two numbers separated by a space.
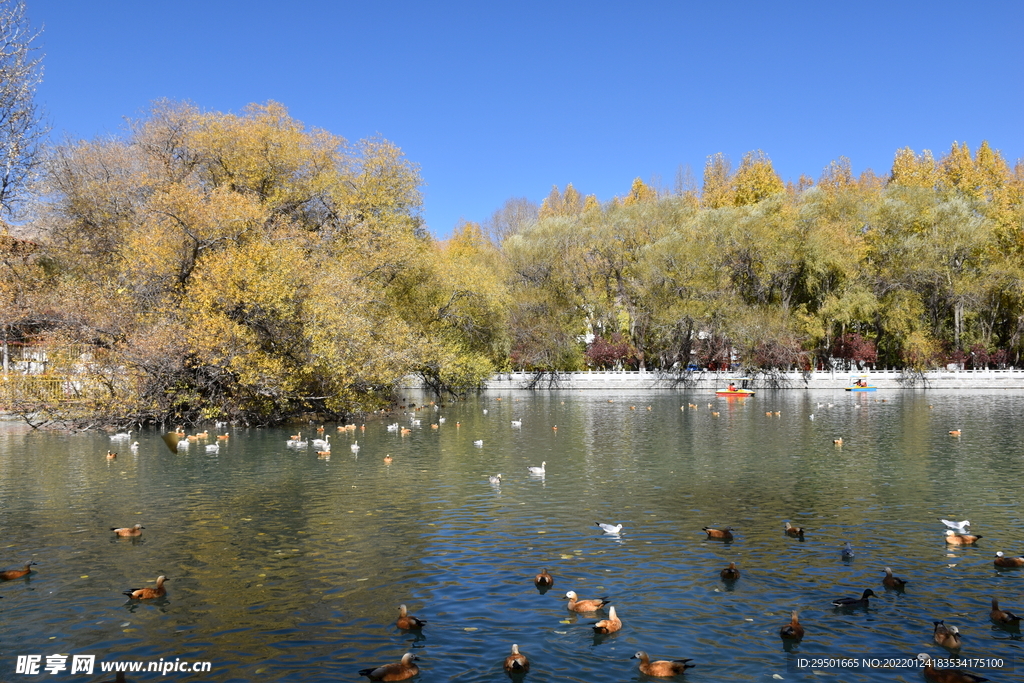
pixel 501 99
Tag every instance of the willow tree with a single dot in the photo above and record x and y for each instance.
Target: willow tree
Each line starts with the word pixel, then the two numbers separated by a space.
pixel 243 264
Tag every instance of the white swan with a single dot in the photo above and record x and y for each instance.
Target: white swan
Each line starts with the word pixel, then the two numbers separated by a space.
pixel 538 470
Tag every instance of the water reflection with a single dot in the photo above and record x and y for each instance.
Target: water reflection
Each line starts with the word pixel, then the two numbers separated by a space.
pixel 289 566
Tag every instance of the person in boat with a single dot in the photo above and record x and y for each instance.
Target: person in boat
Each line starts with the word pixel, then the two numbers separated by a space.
pixel 732 386
pixel 860 383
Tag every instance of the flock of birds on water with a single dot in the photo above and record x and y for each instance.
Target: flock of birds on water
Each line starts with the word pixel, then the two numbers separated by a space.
pixel 517 663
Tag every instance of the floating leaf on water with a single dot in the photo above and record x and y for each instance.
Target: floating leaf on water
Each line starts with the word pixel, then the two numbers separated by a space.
pixel 470 628
pixel 84 576
pixel 568 557
pixel 364 579
pixel 564 621
pixel 777 677
pixel 261 575
pixel 748 620
pixel 127 623
pixel 541 531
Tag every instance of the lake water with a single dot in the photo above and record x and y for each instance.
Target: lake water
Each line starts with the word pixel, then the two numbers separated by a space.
pixel 287 567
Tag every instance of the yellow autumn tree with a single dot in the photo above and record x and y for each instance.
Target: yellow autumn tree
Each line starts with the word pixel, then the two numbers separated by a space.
pixel 245 265
pixel 718 188
pixel 755 179
pixel 914 170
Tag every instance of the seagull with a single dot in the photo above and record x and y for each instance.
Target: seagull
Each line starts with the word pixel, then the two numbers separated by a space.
pixel 609 528
pixel 957 526
pixel 848 551
pixel 538 470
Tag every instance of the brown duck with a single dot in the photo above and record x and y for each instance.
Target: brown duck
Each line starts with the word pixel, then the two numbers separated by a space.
pixel 16 573
pixel 408 622
pixel 662 667
pixel 396 671
pixel 149 593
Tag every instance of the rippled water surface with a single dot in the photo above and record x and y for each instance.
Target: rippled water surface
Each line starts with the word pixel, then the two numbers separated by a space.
pixel 288 567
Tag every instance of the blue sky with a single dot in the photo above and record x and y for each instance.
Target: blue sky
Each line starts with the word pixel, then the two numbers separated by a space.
pixel 494 100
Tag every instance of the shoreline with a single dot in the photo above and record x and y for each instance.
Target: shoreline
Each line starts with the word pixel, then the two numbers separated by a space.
pixel 710 380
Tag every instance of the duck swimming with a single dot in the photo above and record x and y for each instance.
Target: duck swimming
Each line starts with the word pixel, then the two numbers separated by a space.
pixel 16 573
pixel 1003 561
pixel 862 601
pixel 793 630
pixel 953 538
pixel 128 530
pixel 577 605
pixel 721 534
pixel 148 593
pixel 795 531
pixel 408 622
pixel 894 582
pixel 662 667
pixel 946 636
pixel 1003 617
pixel 730 573
pixel 517 661
pixel 609 625
pixel 396 671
